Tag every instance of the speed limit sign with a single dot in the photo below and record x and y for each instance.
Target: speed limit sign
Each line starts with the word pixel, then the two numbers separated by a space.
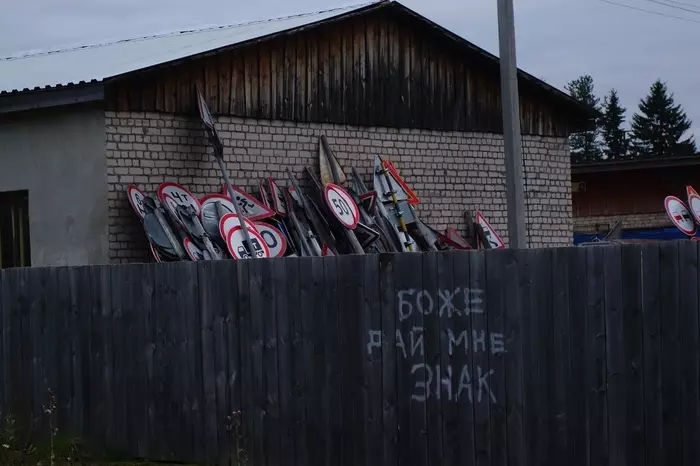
pixel 342 205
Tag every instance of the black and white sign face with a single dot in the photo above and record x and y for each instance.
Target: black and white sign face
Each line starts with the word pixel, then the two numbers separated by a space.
pixel 180 195
pixel 209 202
pixel 678 212
pixel 235 242
pixel 230 221
pixel 250 207
pixel 193 251
pixel 274 239
pixel 278 201
pixel 342 205
pixel 491 236
pixel 136 197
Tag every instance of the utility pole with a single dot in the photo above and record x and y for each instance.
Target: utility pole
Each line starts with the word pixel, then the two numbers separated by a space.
pixel 515 192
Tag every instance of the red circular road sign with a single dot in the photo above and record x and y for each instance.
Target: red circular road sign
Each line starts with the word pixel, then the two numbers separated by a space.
pixel 136 197
pixel 342 205
pixel 694 205
pixel 274 239
pixel 180 195
pixel 230 221
pixel 235 242
pixel 193 250
pixel 680 216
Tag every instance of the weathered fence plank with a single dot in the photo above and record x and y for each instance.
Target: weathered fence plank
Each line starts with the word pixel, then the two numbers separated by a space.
pixel 246 342
pixel 651 312
pixel 480 370
pixel 495 310
pixel 615 357
pixel 513 328
pixel 270 408
pixel 389 316
pixel 283 314
pixel 689 351
pixel 209 305
pixel 577 441
pixel 297 315
pixel 561 354
pixel 417 382
pixel 460 345
pixel 571 356
pixel 371 348
pixel 634 364
pixel 596 399
pixel 440 447
pixel 670 353
pixel 336 306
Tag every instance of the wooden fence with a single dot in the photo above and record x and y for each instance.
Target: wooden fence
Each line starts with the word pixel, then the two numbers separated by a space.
pixel 577 356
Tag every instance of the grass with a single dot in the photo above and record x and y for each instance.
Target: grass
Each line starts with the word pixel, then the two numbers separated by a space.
pixel 19 450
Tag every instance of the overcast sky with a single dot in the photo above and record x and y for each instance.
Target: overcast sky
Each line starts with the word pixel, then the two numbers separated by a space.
pixel 557 40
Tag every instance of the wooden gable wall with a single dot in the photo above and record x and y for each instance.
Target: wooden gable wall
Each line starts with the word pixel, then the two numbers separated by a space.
pixel 382 68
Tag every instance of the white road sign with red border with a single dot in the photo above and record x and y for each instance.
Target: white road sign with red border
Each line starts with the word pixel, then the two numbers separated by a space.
pixel 342 205
pixel 694 205
pixel 136 197
pixel 231 221
pixel 274 239
pixel 492 237
pixel 679 215
pixel 250 207
pixel 193 250
pixel 181 195
pixel 235 242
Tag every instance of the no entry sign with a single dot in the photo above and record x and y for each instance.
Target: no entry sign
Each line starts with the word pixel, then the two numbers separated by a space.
pixel 342 205
pixel 678 212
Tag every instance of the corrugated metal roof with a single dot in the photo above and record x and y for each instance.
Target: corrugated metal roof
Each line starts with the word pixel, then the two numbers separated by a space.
pixel 97 62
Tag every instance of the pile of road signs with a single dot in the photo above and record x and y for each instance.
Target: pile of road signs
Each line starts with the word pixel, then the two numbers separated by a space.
pixel 684 216
pixel 284 220
pixel 327 219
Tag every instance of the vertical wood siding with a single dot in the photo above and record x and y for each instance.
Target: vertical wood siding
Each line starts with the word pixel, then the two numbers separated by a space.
pixel 377 69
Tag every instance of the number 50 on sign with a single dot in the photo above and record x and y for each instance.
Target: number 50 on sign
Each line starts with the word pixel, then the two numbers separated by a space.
pixel 342 205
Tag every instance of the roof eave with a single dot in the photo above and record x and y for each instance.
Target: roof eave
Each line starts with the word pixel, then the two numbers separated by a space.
pixel 51 97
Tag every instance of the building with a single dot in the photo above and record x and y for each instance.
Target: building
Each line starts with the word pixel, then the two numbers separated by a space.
pixel 630 191
pixel 79 125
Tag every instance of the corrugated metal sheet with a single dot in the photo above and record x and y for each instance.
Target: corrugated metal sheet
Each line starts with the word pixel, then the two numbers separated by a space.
pixel 102 61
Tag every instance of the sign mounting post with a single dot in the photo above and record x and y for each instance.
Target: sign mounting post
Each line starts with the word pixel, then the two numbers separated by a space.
pixel 219 156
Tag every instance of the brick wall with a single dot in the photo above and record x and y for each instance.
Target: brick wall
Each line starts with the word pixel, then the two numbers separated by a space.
pixel 595 224
pixel 450 171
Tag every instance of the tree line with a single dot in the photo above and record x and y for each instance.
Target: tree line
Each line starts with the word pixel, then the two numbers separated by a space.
pixel 657 129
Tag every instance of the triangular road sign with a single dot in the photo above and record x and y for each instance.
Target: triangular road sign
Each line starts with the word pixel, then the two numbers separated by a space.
pixel 495 241
pixel 251 207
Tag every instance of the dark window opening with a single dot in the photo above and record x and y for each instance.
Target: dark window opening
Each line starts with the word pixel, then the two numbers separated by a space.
pixel 14 229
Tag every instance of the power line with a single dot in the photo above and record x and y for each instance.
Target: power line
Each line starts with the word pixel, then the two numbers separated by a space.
pixel 694 5
pixel 674 6
pixel 650 11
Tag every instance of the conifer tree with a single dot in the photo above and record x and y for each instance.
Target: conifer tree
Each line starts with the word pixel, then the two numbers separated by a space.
pixel 659 126
pixel 614 135
pixel 585 146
